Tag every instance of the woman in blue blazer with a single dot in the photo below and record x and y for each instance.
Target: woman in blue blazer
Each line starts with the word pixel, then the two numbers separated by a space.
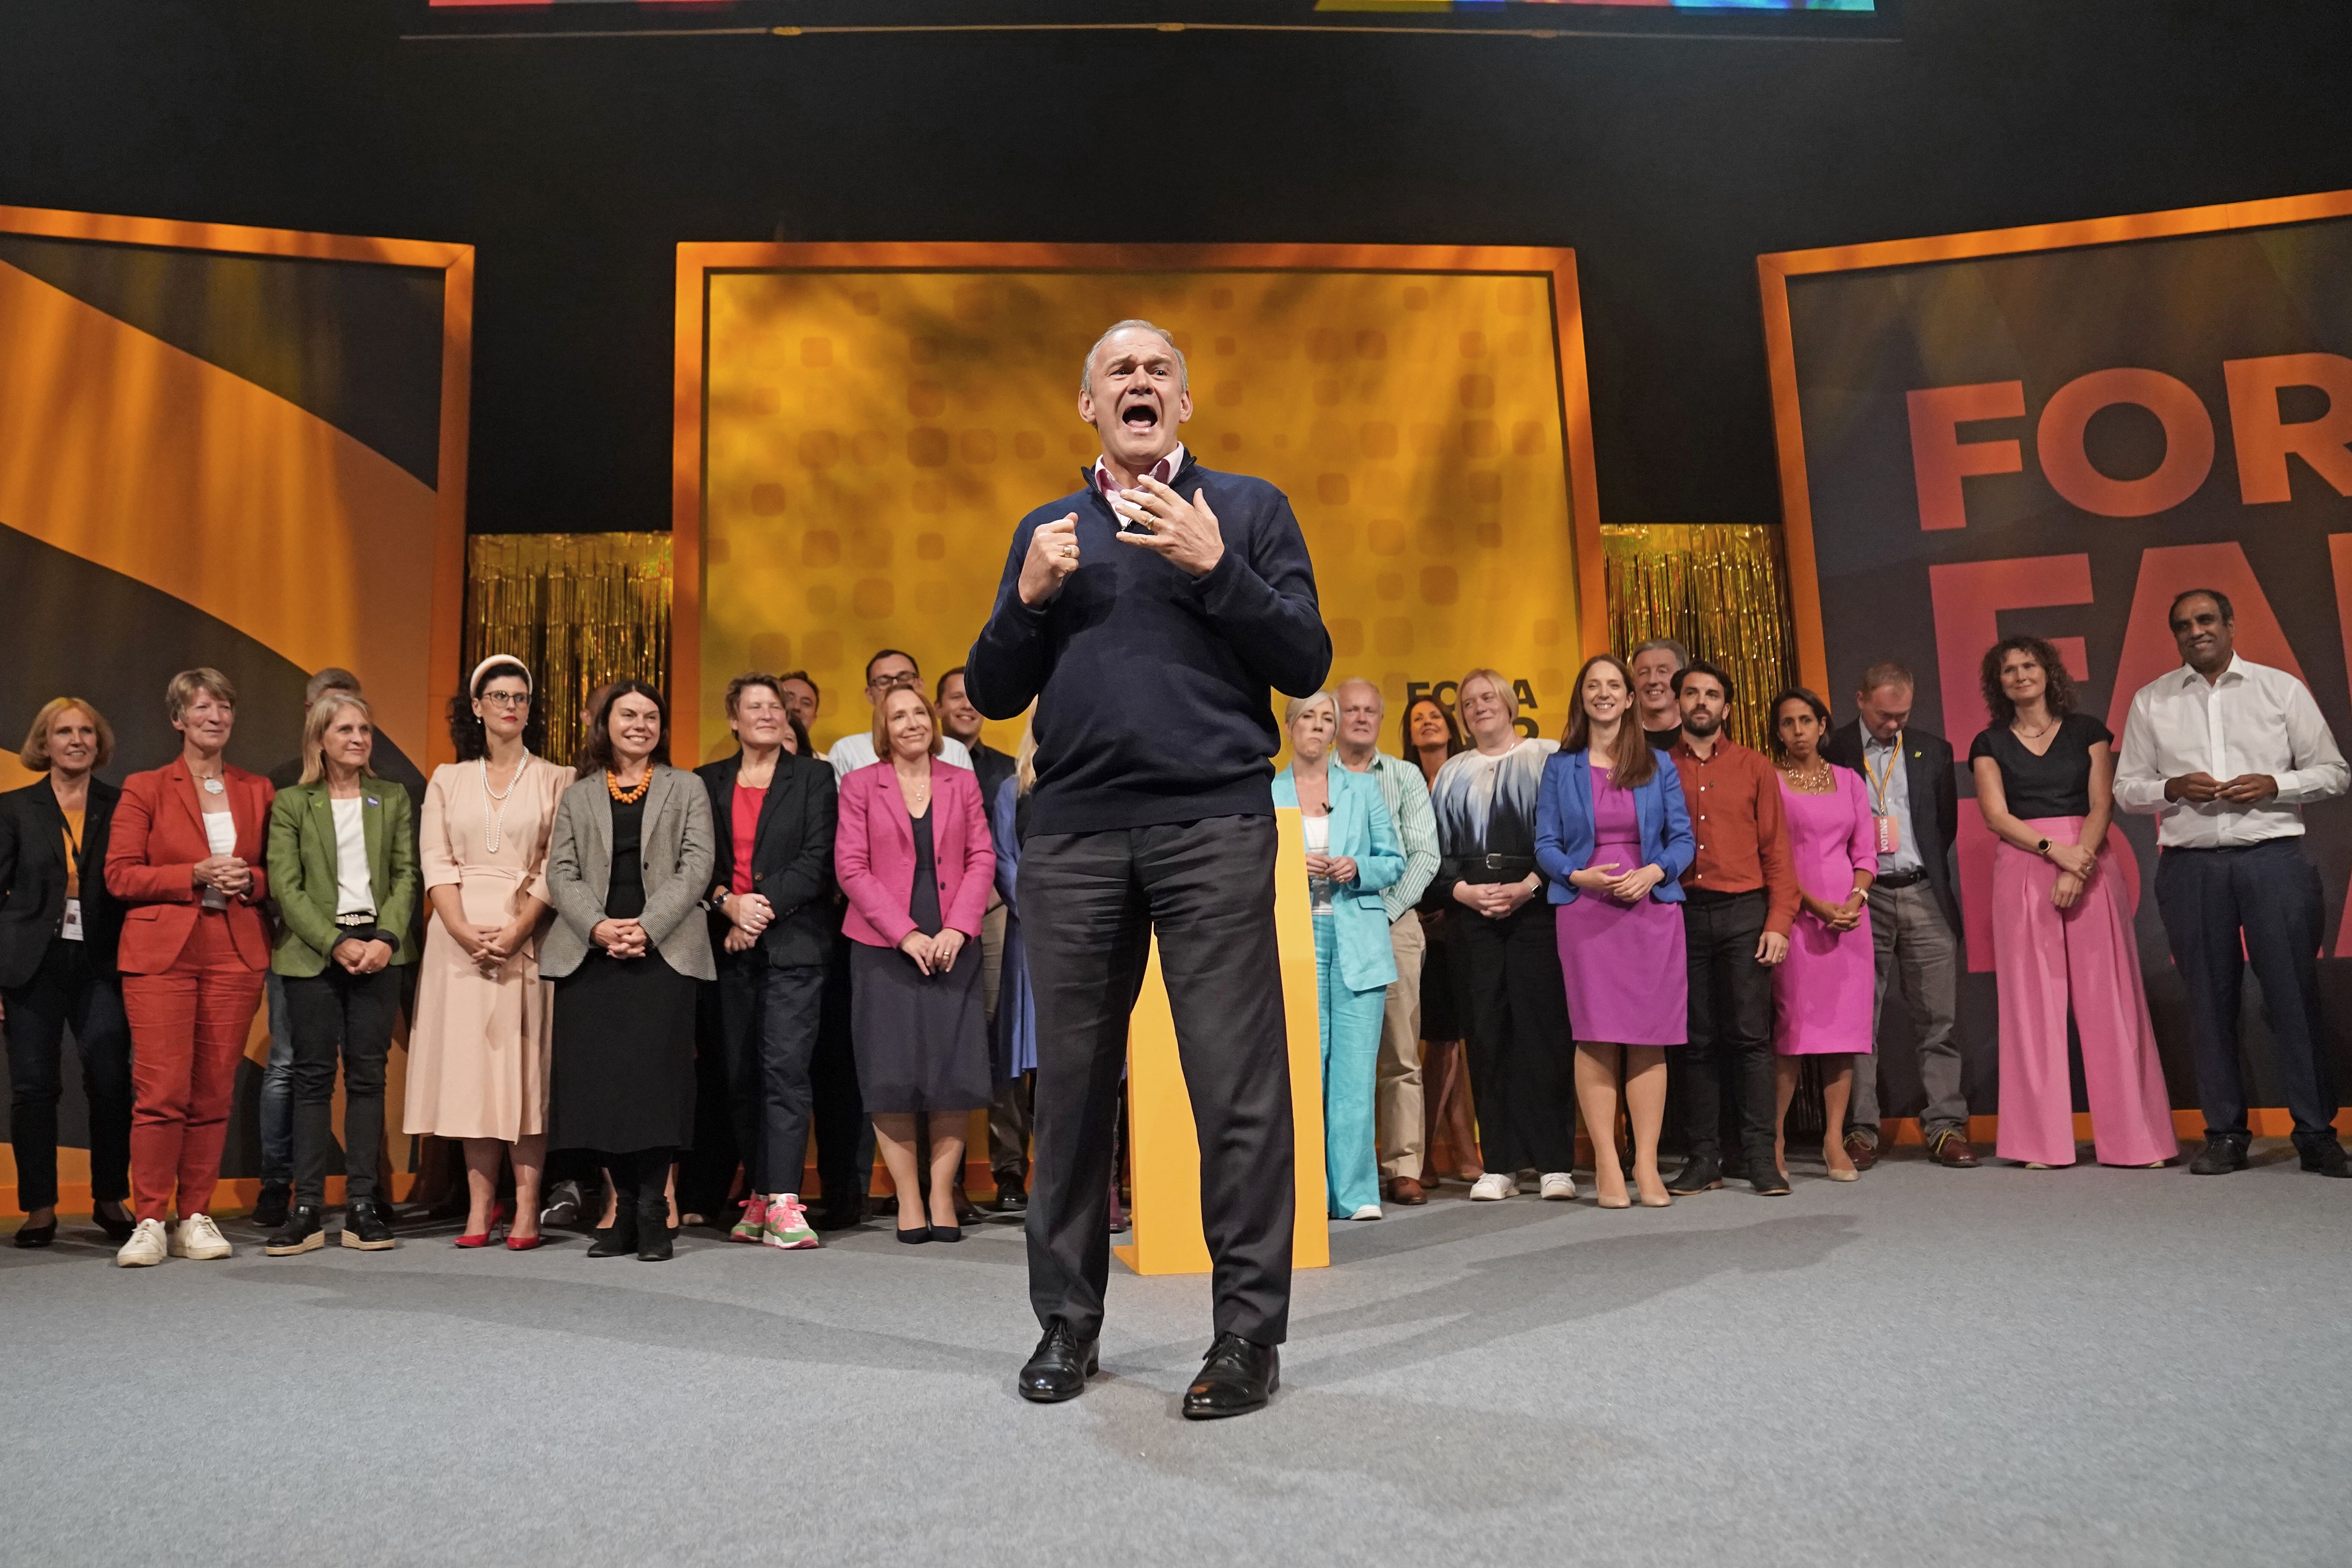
pixel 1613 838
pixel 1352 852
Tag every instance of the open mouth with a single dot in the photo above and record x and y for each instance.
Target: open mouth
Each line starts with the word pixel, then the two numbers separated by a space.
pixel 1139 417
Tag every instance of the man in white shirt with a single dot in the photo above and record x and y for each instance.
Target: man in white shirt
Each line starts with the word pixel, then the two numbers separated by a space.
pixel 2225 753
pixel 886 672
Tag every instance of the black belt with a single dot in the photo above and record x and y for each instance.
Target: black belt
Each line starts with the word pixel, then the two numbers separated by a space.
pixel 1911 878
pixel 1484 869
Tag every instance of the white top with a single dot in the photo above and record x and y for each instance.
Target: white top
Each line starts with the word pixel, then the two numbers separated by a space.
pixel 2254 719
pixel 220 833
pixel 855 751
pixel 1318 831
pixel 354 895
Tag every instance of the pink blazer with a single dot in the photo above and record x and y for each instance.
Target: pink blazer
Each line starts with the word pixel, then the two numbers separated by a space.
pixel 874 853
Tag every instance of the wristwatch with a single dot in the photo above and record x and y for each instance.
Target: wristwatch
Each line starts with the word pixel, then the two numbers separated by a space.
pixel 2042 849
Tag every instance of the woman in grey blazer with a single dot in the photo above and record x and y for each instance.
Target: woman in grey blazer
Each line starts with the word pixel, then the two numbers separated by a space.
pixel 628 865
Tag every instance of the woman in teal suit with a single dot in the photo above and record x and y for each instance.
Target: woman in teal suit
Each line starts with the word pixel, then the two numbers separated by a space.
pixel 343 873
pixel 1352 852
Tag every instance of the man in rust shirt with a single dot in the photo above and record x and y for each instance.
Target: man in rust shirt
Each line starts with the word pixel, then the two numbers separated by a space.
pixel 1739 897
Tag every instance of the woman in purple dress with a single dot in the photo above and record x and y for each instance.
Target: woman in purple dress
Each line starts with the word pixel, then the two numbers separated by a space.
pixel 1821 996
pixel 1612 840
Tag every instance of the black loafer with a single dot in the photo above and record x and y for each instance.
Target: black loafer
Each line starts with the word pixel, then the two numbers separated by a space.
pixel 1058 1368
pixel 2220 1155
pixel 1768 1182
pixel 269 1209
pixel 1700 1173
pixel 2325 1159
pixel 1239 1376
pixel 37 1235
pixel 305 1230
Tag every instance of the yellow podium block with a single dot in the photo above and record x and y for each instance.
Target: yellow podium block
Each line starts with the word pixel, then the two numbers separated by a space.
pixel 1163 1144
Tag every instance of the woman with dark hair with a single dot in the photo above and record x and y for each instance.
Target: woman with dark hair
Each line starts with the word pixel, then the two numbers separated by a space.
pixel 58 927
pixel 1613 839
pixel 1427 737
pixel 477 1047
pixel 2061 924
pixel 1821 993
pixel 627 868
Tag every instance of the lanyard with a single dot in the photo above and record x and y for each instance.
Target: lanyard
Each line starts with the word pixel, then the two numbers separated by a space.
pixel 1881 783
pixel 72 840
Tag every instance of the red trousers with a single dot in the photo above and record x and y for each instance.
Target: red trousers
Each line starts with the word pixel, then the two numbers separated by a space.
pixel 188 1028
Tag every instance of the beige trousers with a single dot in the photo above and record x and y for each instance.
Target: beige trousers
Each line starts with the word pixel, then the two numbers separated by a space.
pixel 1397 1104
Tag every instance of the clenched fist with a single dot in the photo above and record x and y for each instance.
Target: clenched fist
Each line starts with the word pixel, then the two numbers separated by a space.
pixel 1053 555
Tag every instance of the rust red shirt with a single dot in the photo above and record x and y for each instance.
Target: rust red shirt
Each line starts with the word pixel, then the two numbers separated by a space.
pixel 1742 833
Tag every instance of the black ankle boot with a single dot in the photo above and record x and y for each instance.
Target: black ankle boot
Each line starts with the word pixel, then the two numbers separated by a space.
pixel 620 1238
pixel 653 1231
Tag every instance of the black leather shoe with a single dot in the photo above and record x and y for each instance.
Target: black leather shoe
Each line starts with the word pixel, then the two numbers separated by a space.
pixel 37 1235
pixel 1010 1198
pixel 654 1245
pixel 2220 1155
pixel 967 1212
pixel 2325 1159
pixel 619 1239
pixel 367 1227
pixel 113 1217
pixel 947 1233
pixel 1700 1173
pixel 269 1208
pixel 845 1212
pixel 1239 1376
pixel 305 1230
pixel 1058 1368
pixel 1768 1182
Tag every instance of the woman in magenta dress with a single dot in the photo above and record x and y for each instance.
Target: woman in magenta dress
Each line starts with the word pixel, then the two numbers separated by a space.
pixel 1612 840
pixel 1821 996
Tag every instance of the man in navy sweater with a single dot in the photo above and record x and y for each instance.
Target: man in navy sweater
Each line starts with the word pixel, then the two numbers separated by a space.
pixel 1147 615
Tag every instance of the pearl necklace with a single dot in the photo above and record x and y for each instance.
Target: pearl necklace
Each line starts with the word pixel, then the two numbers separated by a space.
pixel 495 833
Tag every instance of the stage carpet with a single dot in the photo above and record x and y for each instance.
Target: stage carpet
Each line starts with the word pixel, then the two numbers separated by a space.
pixel 1976 1368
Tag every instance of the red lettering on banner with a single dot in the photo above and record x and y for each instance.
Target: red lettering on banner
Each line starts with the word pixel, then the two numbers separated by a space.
pixel 2264 441
pixel 1941 459
pixel 2187 443
pixel 1967 599
pixel 2149 648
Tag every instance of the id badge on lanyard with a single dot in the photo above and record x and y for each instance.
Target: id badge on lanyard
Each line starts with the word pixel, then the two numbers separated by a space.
pixel 1890 833
pixel 70 929
pixel 1882 813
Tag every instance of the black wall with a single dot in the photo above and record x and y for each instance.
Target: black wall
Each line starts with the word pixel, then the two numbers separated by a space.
pixel 575 166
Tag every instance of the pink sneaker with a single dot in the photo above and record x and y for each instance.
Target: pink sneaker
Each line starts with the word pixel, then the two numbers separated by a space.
pixel 788 1226
pixel 754 1223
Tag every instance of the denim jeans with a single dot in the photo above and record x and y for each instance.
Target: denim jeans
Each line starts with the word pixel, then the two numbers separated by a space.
pixel 278 1091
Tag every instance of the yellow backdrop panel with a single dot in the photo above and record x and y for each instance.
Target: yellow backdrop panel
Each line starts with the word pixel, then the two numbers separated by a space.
pixel 869 439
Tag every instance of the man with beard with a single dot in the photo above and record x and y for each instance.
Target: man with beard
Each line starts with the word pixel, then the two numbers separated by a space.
pixel 1147 615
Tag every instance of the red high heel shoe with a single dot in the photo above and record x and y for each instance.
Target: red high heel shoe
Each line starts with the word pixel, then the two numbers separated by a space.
pixel 524 1243
pixel 482 1238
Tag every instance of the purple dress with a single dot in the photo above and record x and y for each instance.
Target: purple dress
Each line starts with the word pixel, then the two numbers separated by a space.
pixel 1627 981
pixel 1821 996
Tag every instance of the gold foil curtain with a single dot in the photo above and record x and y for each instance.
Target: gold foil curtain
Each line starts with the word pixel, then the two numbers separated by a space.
pixel 1718 589
pixel 580 609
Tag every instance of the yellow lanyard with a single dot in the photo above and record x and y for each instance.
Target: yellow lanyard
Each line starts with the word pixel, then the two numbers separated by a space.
pixel 1881 783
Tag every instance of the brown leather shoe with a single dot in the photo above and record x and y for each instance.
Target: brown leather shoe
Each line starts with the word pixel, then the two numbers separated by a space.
pixel 1407 1191
pixel 1952 1149
pixel 1861 1148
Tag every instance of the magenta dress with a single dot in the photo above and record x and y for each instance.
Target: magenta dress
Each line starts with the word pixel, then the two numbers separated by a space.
pixel 1820 997
pixel 1627 980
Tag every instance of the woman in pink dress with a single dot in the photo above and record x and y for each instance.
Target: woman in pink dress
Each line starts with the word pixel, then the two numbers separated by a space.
pixel 1821 996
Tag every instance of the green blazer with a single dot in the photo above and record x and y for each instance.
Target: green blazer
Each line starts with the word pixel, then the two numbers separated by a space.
pixel 303 873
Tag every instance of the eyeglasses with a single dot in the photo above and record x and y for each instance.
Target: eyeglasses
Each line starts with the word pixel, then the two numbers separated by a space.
pixel 907 682
pixel 506 698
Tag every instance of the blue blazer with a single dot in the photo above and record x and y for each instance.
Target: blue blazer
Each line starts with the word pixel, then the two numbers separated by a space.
pixel 1361 830
pixel 1564 825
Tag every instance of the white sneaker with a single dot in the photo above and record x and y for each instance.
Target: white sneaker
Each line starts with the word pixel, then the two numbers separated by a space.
pixel 1493 1186
pixel 146 1247
pixel 1559 1186
pixel 198 1238
pixel 1369 1211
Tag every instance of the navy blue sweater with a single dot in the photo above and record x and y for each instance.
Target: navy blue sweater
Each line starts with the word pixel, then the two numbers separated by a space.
pixel 1152 684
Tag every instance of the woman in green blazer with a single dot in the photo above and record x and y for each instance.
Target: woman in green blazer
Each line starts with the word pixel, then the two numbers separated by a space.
pixel 1352 852
pixel 342 870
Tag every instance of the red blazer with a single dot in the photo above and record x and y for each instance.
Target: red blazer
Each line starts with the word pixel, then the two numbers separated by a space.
pixel 158 836
pixel 874 853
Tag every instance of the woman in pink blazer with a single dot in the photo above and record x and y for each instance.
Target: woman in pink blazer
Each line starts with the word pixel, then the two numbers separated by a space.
pixel 914 856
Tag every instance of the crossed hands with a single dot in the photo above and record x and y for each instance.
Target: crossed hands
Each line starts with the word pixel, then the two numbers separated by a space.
pixel 488 946
pixel 620 939
pixel 1337 867
pixel 1495 899
pixel 223 873
pixel 1627 888
pixel 2197 789
pixel 1842 917
pixel 359 957
pixel 933 954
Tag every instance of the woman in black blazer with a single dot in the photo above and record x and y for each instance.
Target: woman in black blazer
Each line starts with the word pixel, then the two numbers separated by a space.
pixel 58 927
pixel 772 808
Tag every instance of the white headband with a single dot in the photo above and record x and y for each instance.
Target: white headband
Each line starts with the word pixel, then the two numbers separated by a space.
pixel 475 680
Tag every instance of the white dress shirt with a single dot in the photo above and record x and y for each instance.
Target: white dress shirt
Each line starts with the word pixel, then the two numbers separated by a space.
pixel 855 751
pixel 2254 719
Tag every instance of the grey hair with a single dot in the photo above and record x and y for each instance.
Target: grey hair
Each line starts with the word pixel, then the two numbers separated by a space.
pixel 1681 653
pixel 1086 371
pixel 1298 705
pixel 1372 686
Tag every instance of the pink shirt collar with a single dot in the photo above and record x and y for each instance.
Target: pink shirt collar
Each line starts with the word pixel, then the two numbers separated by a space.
pixel 1165 470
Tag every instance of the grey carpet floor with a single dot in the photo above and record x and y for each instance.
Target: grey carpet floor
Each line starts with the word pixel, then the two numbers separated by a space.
pixel 2074 1368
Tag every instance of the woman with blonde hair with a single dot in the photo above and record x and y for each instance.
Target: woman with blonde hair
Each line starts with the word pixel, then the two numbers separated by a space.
pixel 58 927
pixel 343 871
pixel 186 856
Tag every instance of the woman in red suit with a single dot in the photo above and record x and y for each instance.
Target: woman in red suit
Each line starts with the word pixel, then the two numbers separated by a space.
pixel 186 859
pixel 914 856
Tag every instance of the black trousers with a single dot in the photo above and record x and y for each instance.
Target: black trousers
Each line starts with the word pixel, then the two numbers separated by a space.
pixel 1730 1029
pixel 65 993
pixel 2269 893
pixel 844 1138
pixel 1521 1050
pixel 357 1012
pixel 758 1053
pixel 1090 903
